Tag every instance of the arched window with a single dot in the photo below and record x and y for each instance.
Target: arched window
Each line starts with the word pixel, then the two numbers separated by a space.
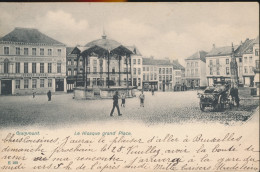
pixel 6 66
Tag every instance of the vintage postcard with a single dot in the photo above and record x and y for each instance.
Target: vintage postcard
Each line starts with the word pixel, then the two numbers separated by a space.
pixel 139 87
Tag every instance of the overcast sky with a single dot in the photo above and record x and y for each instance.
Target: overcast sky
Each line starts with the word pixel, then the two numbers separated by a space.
pixel 174 30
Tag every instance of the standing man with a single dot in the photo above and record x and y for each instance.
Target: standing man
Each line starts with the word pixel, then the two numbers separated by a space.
pixel 49 95
pixel 141 96
pixel 152 90
pixel 115 104
pixel 234 94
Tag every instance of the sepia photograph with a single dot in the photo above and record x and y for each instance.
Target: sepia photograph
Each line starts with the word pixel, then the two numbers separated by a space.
pixel 159 86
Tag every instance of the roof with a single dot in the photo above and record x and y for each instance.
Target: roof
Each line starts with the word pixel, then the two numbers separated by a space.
pixel 107 44
pixel 28 35
pixel 134 50
pixel 69 50
pixel 245 47
pixel 177 65
pixel 151 61
pixel 221 51
pixel 198 55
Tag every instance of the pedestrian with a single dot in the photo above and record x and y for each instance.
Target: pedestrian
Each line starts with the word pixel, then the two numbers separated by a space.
pixel 152 91
pixel 34 94
pixel 115 104
pixel 234 94
pixel 49 95
pixel 123 96
pixel 141 96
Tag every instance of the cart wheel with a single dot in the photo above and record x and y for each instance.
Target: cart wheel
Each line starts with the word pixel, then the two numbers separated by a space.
pixel 202 107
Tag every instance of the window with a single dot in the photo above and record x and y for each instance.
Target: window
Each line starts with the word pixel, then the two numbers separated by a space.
pixel 49 67
pixel 26 83
pixel 139 61
pixel 69 62
pixel 188 64
pixel 75 72
pixel 167 78
pixel 147 69
pixel 151 76
pixel 166 70
pixel 147 77
pixel 251 69
pixel 245 59
pixel 227 70
pixel 143 76
pixel 160 70
pixel 227 61
pixel 17 50
pixel 170 77
pixel 34 83
pixel 125 70
pixel 155 76
pixel 245 69
pixel 69 72
pixel 188 72
pixel 192 72
pixel 33 67
pixel 34 51
pixel 257 64
pixel 17 67
pixel 218 71
pixel 6 50
pixel 81 70
pixel 191 64
pixel 196 64
pixel 59 52
pixel 210 62
pixel 25 68
pixel 211 71
pixel 134 61
pixel 72 62
pixel 163 71
pixel 139 71
pixel 257 52
pixel 160 78
pixel 143 68
pixel 196 72
pixel 41 67
pixel 80 62
pixel 49 82
pixel 41 51
pixel 88 69
pixel 58 67
pixel 26 51
pixel 49 52
pixel 240 60
pixel 250 59
pixel 95 70
pixel 42 83
pixel 134 71
pixel 17 84
pixel 95 62
pixel 217 61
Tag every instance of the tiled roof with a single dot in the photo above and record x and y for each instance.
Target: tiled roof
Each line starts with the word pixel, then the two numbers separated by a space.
pixel 198 55
pixel 151 61
pixel 245 47
pixel 26 35
pixel 177 65
pixel 221 51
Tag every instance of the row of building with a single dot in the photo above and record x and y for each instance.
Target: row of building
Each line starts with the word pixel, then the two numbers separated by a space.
pixel 31 61
pixel 208 68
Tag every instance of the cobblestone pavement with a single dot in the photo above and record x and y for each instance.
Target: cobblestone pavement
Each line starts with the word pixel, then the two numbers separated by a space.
pixel 163 107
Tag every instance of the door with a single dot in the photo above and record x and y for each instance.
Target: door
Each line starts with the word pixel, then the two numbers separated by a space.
pixel 6 87
pixel 59 85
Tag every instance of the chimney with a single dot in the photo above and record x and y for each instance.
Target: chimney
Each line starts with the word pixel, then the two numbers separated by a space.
pixel 213 46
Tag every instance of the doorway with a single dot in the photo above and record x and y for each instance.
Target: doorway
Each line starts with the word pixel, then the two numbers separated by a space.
pixel 6 87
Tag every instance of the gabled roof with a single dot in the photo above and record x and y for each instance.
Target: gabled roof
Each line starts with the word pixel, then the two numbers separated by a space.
pixel 177 65
pixel 198 55
pixel 69 50
pixel 151 61
pixel 26 35
pixel 221 51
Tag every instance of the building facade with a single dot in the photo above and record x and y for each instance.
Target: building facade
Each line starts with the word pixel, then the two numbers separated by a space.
pixel 195 72
pixel 31 62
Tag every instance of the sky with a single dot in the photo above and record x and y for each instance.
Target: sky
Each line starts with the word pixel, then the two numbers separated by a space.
pixel 168 29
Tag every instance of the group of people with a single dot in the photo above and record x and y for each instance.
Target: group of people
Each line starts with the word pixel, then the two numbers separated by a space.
pixel 123 97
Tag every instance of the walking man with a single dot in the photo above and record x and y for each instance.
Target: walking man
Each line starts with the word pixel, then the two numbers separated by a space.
pixel 152 90
pixel 123 100
pixel 141 96
pixel 49 95
pixel 115 104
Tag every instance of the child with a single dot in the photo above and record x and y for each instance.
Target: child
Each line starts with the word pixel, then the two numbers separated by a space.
pixel 123 96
